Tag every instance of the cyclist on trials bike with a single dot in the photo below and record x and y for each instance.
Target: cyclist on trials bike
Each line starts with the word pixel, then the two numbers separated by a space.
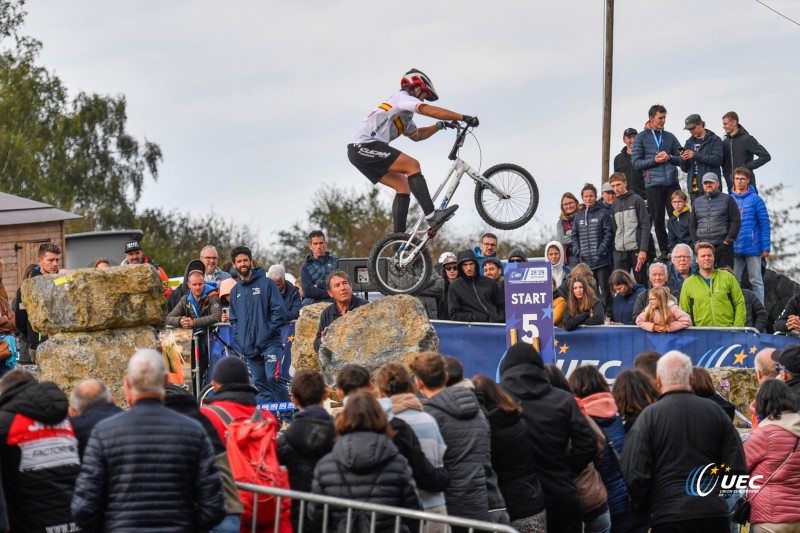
pixel 371 154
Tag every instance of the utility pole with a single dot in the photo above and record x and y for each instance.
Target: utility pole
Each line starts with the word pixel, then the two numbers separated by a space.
pixel 608 74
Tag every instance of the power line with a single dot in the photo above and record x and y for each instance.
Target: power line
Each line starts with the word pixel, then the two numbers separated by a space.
pixel 778 12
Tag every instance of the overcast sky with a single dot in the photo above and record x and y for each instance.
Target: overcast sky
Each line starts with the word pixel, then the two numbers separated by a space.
pixel 253 103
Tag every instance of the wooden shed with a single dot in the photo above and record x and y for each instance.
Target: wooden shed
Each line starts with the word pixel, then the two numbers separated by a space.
pixel 24 225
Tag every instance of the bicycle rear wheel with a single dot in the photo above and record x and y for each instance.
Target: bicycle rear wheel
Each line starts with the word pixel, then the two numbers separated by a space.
pixel 516 210
pixel 388 276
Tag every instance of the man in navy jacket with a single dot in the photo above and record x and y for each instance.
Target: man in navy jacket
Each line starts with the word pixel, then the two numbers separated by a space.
pixel 257 313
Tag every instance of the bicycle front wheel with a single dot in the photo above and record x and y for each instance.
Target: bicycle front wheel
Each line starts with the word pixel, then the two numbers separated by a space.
pixel 387 274
pixel 520 206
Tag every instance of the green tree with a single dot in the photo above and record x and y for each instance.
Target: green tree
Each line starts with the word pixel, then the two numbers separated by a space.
pixel 74 154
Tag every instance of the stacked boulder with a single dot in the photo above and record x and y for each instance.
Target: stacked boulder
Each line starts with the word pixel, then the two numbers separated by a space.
pixel 95 319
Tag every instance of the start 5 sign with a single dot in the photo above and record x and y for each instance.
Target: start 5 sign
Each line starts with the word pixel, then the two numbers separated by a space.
pixel 529 306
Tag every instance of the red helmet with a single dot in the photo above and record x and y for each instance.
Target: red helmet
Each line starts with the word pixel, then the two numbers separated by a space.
pixel 417 78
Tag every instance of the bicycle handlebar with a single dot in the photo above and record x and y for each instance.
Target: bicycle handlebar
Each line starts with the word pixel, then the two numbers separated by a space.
pixel 461 134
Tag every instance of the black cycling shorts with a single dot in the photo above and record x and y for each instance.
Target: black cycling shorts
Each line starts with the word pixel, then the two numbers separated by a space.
pixel 372 159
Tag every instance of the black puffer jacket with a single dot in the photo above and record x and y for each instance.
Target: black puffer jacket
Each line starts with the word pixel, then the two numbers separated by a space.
pixel 308 438
pixel 515 464
pixel 85 423
pixel 476 298
pixel 367 467
pixel 34 430
pixel 148 469
pixel 466 433
pixel 593 236
pixel 562 440
pixel 715 218
pixel 739 151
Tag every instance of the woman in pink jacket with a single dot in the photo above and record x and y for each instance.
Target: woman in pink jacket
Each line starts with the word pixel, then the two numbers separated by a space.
pixel 662 315
pixel 771 450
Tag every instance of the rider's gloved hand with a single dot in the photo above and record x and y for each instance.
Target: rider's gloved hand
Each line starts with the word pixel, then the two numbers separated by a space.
pixel 445 125
pixel 470 121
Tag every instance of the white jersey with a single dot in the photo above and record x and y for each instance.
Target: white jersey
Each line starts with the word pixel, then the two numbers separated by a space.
pixel 389 120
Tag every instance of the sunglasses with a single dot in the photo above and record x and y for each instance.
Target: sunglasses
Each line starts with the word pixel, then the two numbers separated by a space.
pixel 450 267
pixel 515 260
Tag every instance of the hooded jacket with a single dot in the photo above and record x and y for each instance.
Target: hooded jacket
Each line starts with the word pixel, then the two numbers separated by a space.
pixel 740 150
pixel 466 433
pixel 366 467
pixel 715 218
pixel 256 313
pixel 206 311
pixel 645 147
pixel 291 300
pixel 671 437
pixel 719 303
pixel 561 438
pixel 622 305
pixel 476 298
pixel 560 270
pixel 631 223
pixel 33 430
pixel 602 409
pixel 707 158
pixel 767 447
pixel 754 233
pixel 593 236
pixel 308 439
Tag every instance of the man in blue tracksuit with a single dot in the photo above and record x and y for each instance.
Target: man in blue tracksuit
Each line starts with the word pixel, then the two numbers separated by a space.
pixel 657 153
pixel 257 314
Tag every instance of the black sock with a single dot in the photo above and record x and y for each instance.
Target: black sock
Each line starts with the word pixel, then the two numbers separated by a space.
pixel 400 211
pixel 419 188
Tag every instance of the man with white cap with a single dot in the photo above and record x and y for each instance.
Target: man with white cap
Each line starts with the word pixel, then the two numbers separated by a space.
pixel 449 274
pixel 715 219
pixel 291 296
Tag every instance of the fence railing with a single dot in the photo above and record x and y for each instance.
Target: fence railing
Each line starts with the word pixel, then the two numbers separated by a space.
pixel 352 505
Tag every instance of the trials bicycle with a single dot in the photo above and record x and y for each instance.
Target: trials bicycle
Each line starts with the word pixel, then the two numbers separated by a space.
pixel 506 197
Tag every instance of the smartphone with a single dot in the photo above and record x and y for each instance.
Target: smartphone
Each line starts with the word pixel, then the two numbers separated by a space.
pixel 226 310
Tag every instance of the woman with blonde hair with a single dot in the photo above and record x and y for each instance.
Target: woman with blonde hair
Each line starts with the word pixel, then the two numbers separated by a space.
pixel 662 314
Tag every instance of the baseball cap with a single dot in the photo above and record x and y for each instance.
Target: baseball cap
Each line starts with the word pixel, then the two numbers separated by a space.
pixel 447 257
pixel 692 121
pixel 789 358
pixel 630 131
pixel 132 246
pixel 607 187
pixel 710 177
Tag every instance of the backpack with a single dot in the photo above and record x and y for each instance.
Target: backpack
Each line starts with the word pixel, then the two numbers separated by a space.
pixel 252 452
pixel 361 521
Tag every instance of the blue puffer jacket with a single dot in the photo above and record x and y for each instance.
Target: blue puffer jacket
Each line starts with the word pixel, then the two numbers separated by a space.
pixel 754 235
pixel 593 236
pixel 603 411
pixel 622 306
pixel 256 313
pixel 645 148
pixel 314 277
pixel 148 469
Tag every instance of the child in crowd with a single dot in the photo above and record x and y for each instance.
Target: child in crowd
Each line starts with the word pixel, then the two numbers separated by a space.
pixel 678 223
pixel 662 315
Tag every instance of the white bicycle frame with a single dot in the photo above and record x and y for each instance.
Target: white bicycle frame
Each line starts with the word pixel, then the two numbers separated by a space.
pixel 460 167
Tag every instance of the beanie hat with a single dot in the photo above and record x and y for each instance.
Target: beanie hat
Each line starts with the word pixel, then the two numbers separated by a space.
pixel 195 265
pixel 520 354
pixel 231 370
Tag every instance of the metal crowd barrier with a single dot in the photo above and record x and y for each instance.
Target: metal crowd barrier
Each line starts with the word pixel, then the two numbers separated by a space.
pixel 352 505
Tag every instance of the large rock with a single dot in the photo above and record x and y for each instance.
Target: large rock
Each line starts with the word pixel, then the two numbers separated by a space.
pixel 391 329
pixel 67 358
pixel 740 387
pixel 305 331
pixel 94 299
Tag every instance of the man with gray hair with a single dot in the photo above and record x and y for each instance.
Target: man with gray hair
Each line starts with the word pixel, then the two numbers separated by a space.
pixel 291 296
pixel 681 267
pixel 658 274
pixel 676 449
pixel 89 403
pixel 149 468
pixel 210 258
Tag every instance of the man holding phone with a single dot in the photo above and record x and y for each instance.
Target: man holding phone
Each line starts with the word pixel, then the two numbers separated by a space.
pixel 657 153
pixel 701 153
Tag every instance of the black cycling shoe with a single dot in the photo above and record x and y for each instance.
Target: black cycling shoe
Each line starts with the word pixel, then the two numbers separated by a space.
pixel 440 216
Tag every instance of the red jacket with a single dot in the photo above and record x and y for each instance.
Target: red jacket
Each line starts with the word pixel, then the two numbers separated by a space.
pixel 767 447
